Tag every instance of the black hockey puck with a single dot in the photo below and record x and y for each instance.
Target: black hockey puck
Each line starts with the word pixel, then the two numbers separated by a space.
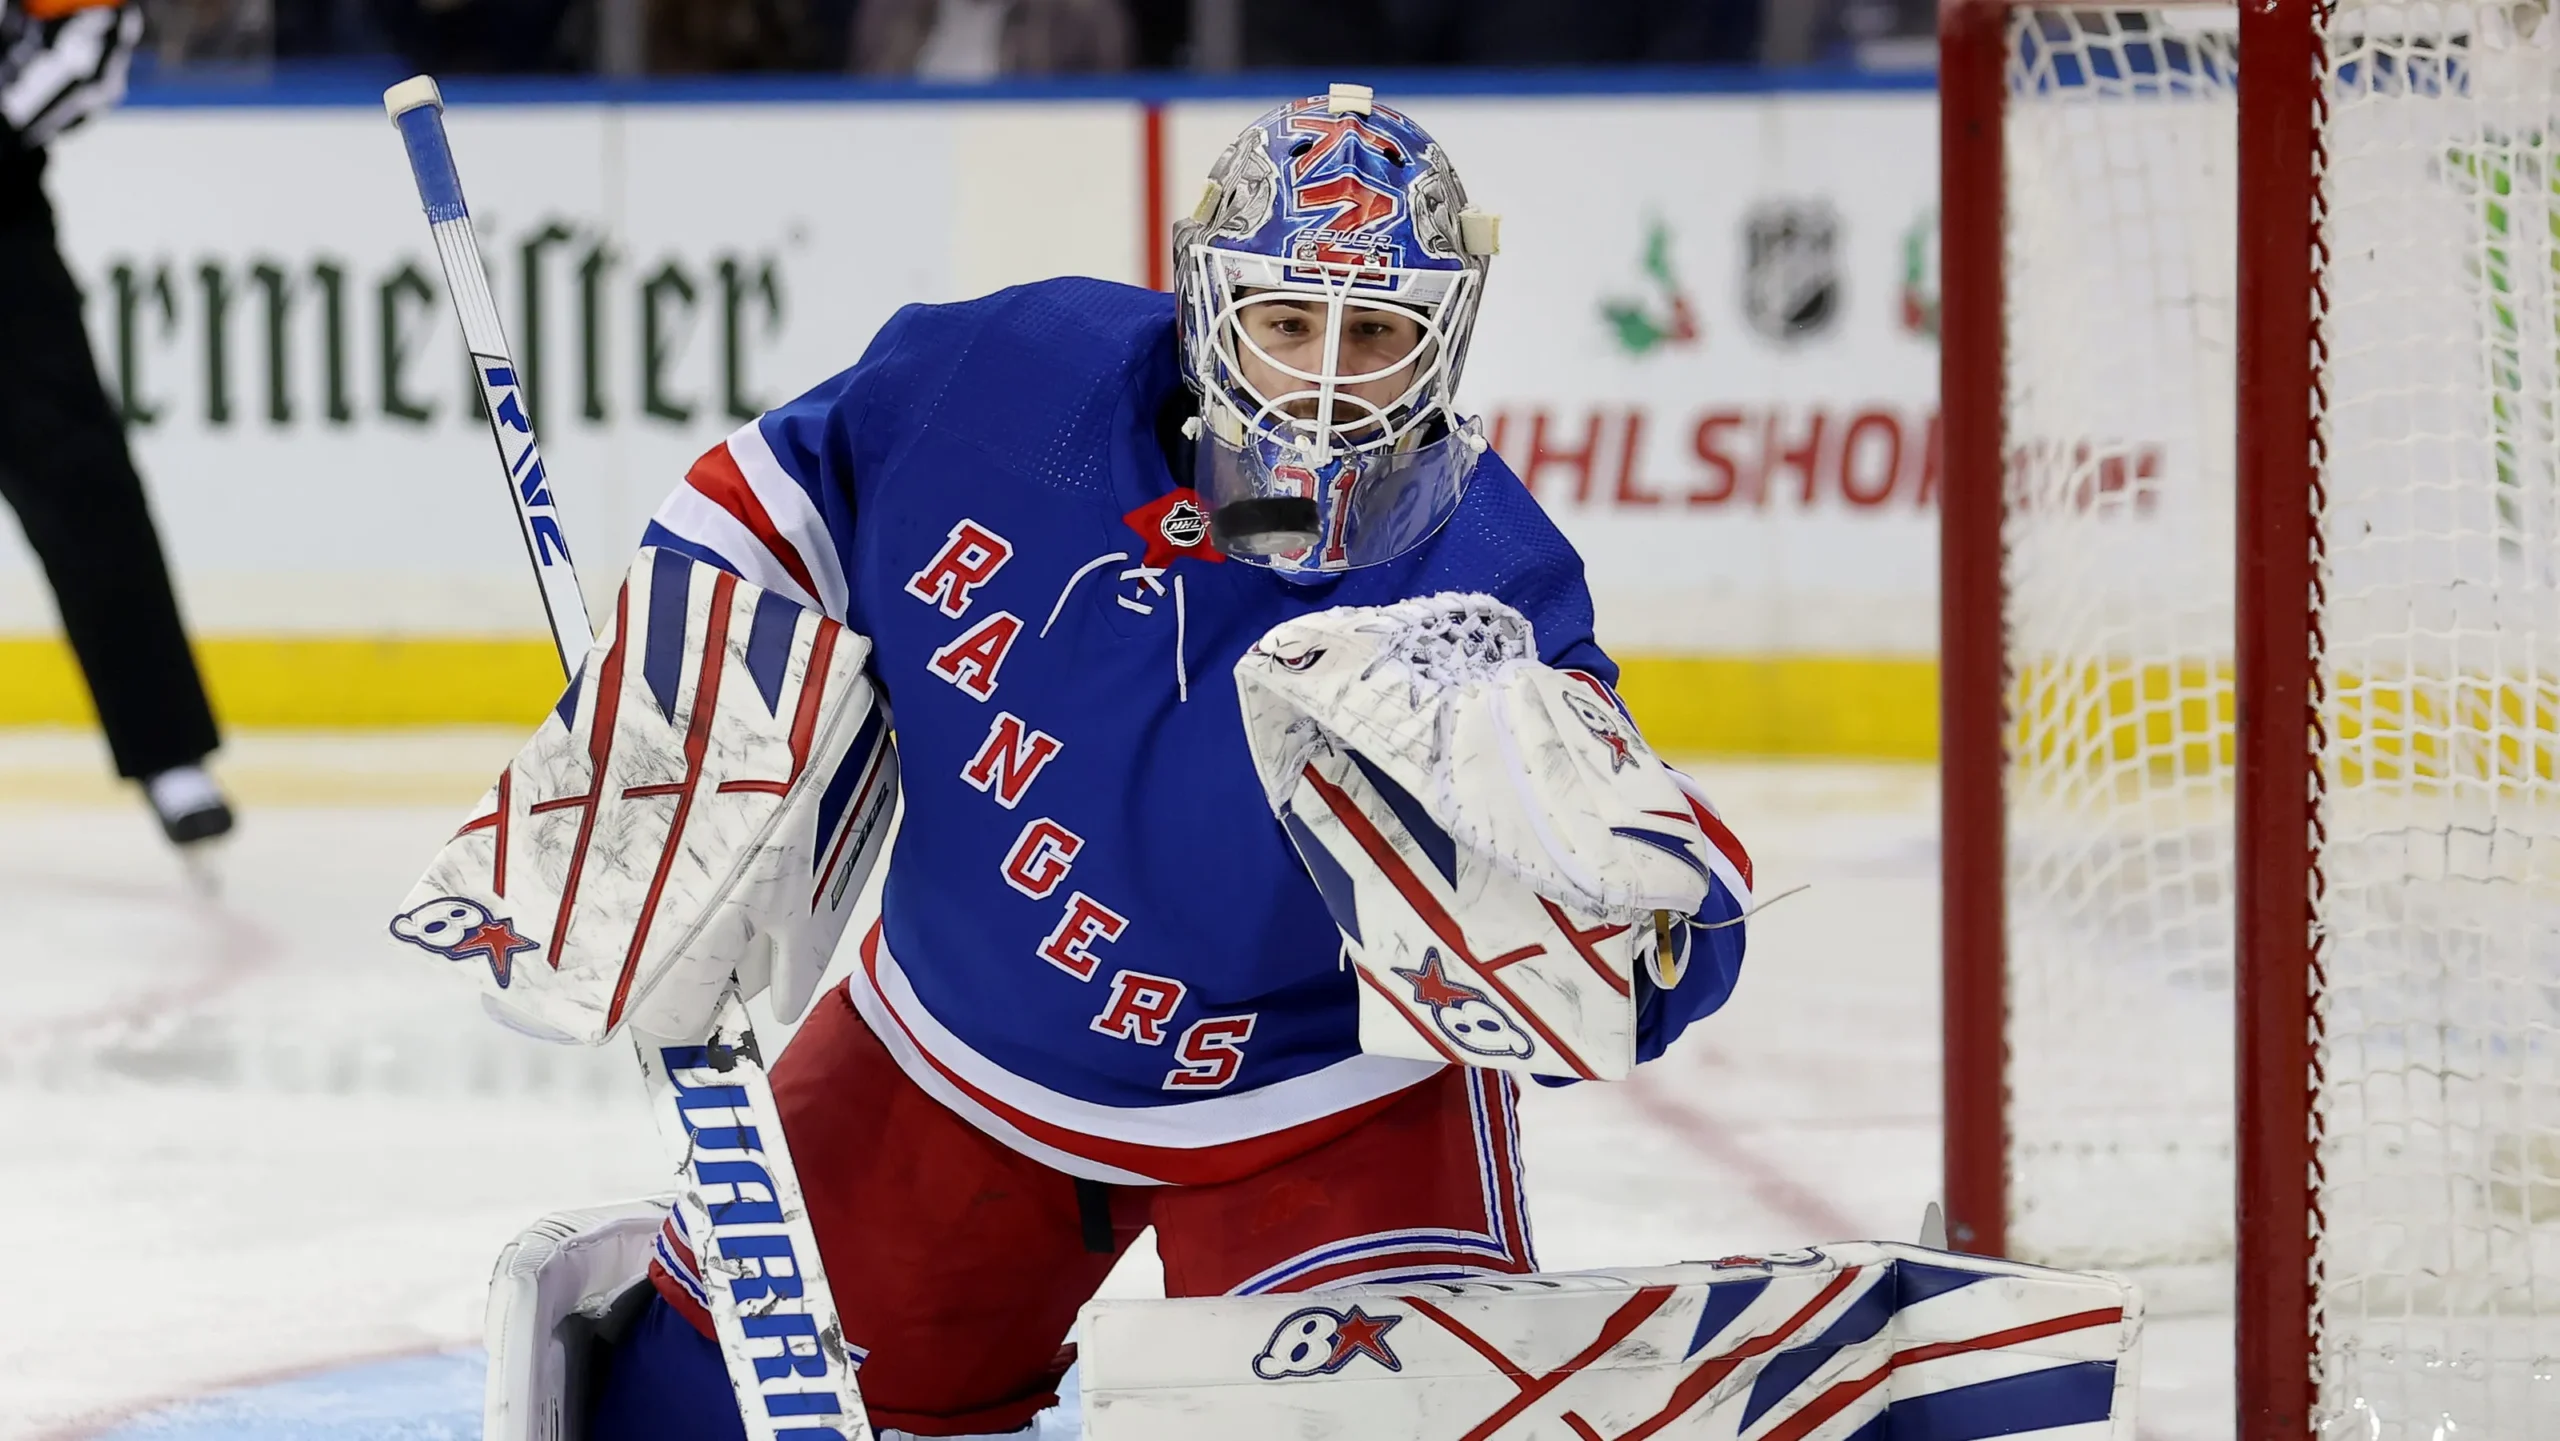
pixel 1268 525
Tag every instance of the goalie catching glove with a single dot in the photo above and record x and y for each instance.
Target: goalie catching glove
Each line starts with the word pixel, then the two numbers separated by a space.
pixel 1520 883
pixel 705 799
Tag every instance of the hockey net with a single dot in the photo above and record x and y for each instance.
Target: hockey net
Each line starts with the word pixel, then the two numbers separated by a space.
pixel 2430 824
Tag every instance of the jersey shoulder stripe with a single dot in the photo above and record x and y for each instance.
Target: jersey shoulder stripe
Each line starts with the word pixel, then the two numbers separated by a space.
pixel 789 484
pixel 657 536
pixel 743 509
pixel 694 524
pixel 1725 855
pixel 718 478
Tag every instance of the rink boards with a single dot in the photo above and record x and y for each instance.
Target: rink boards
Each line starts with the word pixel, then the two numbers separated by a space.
pixel 1708 346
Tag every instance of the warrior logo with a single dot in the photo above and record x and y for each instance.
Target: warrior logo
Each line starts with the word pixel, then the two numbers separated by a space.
pixel 1318 1342
pixel 1791 275
pixel 1464 1014
pixel 459 930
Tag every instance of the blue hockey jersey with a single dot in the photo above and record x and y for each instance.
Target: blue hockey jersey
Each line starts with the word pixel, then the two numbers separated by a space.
pixel 1096 942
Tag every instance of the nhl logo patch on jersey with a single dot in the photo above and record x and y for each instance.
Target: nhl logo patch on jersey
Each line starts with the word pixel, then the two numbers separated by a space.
pixel 1791 272
pixel 1173 525
pixel 1184 524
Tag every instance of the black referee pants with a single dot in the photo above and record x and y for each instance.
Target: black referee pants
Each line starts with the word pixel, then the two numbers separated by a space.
pixel 65 470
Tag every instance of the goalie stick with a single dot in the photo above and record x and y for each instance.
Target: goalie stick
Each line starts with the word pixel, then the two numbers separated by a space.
pixel 775 1316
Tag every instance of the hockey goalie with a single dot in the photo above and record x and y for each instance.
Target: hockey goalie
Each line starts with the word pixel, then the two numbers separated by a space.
pixel 1268 816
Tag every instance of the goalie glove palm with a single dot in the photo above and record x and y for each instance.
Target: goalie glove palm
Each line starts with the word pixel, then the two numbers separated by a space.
pixel 1529 767
pixel 704 801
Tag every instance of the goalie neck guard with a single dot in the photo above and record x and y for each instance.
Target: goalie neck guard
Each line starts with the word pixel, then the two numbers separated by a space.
pixel 1328 284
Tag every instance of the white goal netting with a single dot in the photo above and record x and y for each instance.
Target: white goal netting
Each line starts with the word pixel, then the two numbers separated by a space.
pixel 2438 885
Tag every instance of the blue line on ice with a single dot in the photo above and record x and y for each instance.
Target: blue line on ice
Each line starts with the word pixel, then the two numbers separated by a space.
pixel 414 1398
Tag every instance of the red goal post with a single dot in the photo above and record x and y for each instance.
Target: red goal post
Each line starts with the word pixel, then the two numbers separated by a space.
pixel 2333 817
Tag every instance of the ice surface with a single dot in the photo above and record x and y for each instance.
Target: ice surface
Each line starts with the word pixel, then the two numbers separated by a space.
pixel 260 1160
pixel 410 1398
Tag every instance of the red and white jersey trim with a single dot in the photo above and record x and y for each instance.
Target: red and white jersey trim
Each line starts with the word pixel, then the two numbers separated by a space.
pixel 692 513
pixel 740 504
pixel 793 513
pixel 1726 858
pixel 1199 1140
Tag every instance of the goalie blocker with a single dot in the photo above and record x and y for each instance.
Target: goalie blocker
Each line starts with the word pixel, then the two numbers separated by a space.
pixel 706 798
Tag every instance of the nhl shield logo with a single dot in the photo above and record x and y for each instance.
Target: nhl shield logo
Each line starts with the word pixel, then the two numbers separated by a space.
pixel 1184 524
pixel 1172 526
pixel 1791 270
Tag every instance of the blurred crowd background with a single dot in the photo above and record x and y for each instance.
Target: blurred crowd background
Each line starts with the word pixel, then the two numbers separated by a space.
pixel 980 39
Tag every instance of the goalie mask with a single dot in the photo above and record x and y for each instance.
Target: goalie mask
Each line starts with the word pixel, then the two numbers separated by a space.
pixel 1328 284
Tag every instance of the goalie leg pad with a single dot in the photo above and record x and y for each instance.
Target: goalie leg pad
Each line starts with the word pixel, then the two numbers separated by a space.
pixel 563 1291
pixel 1813 1345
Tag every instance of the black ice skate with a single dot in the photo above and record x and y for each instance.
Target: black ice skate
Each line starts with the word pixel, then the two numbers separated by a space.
pixel 190 806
